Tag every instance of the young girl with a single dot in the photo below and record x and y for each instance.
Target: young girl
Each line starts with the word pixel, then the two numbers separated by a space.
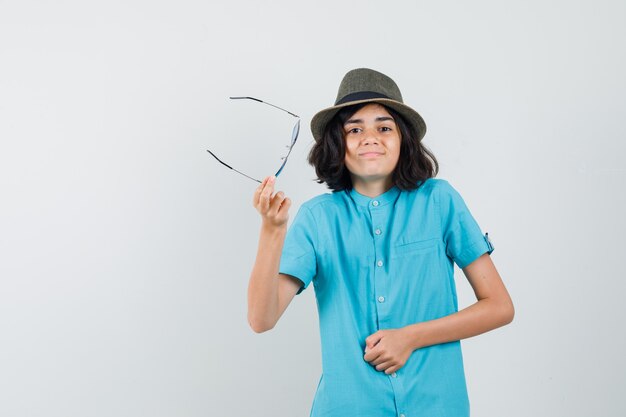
pixel 380 251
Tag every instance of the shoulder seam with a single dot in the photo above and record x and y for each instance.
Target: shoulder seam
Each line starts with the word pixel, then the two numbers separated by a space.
pixel 320 199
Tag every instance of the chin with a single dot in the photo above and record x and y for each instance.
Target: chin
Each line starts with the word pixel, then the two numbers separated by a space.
pixel 374 176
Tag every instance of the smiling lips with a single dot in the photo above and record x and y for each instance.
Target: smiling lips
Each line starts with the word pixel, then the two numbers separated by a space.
pixel 370 154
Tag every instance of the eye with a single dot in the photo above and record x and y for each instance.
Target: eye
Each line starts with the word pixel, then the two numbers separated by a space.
pixel 386 129
pixel 354 130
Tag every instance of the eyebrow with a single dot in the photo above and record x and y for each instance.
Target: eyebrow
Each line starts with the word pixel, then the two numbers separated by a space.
pixel 378 119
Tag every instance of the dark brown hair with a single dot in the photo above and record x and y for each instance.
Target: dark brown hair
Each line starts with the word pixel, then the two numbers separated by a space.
pixel 416 164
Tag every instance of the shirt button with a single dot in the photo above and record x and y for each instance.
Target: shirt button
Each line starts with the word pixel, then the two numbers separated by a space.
pixel 394 375
pixel 381 299
pixel 378 231
pixel 402 415
pixel 375 203
pixel 379 263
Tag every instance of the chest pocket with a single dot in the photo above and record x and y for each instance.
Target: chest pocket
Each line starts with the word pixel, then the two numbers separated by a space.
pixel 414 247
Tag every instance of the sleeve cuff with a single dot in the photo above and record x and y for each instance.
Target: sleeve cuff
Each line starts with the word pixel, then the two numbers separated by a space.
pixel 295 271
pixel 477 248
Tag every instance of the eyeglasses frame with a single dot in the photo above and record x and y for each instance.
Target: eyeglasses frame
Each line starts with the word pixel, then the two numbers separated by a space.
pixel 294 137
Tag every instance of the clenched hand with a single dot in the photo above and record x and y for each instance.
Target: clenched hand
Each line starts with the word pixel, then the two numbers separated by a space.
pixel 388 350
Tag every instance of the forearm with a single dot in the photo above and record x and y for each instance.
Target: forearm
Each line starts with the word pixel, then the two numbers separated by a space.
pixel 263 303
pixel 480 317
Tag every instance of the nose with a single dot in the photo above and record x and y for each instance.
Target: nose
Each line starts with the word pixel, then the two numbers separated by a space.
pixel 370 137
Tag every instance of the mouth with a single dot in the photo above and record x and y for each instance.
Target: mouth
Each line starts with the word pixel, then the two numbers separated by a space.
pixel 370 154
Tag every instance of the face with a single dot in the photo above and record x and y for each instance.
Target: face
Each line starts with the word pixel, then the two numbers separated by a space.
pixel 372 146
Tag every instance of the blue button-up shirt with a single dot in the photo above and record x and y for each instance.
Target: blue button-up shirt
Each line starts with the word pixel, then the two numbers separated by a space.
pixel 384 263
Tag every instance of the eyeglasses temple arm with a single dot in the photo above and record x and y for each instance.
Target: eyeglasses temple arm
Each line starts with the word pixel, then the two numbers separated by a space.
pixel 228 166
pixel 265 102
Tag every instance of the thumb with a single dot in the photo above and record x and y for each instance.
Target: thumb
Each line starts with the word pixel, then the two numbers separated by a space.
pixel 372 340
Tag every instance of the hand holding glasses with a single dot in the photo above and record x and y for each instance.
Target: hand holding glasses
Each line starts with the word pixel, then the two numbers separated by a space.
pixel 294 137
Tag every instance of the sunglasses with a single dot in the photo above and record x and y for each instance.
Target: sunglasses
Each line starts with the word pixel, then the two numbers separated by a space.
pixel 294 136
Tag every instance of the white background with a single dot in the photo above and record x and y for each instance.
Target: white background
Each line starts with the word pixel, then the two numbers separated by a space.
pixel 125 250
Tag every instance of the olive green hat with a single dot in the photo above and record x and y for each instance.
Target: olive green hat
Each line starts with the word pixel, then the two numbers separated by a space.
pixel 363 85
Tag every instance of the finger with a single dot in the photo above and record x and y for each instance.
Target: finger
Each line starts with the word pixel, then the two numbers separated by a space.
pixel 277 201
pixel 266 194
pixel 371 355
pixel 372 340
pixel 284 208
pixel 257 192
pixel 384 366
pixel 379 360
pixel 392 369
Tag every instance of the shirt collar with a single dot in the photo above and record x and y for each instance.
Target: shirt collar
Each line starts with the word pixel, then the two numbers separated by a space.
pixel 387 197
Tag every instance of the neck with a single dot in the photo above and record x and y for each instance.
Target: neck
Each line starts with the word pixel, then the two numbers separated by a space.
pixel 372 188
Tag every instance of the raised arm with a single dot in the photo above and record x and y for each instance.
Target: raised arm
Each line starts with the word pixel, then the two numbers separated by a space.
pixel 269 293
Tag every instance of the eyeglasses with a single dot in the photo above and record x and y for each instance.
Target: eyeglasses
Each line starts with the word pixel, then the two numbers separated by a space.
pixel 294 137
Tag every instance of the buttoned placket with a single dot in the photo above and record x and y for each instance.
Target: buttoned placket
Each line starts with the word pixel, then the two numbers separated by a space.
pixel 379 219
pixel 377 216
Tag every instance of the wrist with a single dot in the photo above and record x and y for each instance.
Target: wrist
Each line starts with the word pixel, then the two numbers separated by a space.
pixel 272 229
pixel 416 336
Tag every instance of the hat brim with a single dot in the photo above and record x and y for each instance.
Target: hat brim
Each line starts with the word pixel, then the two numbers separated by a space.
pixel 321 119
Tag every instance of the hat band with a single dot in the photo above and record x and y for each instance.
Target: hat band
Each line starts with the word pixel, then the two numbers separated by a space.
pixel 360 95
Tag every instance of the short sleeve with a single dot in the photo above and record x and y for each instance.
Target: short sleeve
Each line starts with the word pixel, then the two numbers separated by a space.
pixel 462 236
pixel 298 256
